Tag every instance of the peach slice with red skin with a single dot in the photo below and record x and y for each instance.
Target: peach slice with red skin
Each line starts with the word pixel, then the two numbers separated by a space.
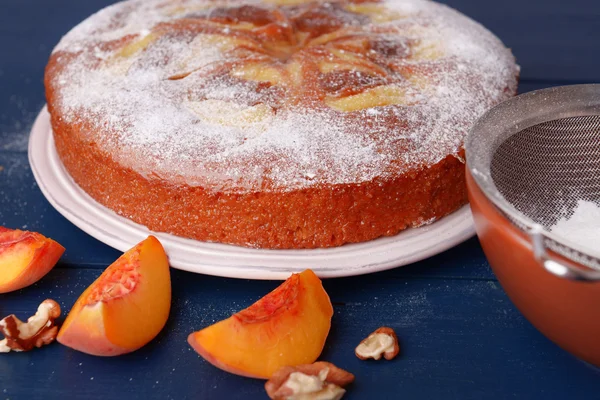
pixel 25 257
pixel 287 327
pixel 125 308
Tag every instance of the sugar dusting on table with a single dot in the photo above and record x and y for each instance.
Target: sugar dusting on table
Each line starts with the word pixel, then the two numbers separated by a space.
pixel 582 226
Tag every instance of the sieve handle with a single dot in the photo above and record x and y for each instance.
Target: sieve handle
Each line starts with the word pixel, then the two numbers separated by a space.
pixel 570 271
pixel 561 268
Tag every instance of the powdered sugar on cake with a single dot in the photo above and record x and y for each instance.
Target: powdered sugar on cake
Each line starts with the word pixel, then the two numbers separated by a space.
pixel 177 110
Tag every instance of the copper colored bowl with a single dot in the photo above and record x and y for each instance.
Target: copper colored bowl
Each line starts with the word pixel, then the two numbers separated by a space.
pixel 566 311
pixel 524 157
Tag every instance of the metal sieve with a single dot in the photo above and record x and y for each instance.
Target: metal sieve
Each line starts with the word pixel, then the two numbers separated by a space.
pixel 535 157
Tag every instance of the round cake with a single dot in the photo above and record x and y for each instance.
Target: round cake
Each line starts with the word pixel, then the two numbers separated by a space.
pixel 274 124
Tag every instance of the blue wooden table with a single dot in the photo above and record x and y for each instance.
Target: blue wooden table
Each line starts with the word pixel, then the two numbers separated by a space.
pixel 460 335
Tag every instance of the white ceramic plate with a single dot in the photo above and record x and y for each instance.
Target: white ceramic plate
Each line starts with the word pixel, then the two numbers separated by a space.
pixel 233 261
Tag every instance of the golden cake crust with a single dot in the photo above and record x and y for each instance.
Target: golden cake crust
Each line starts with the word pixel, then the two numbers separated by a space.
pixel 389 165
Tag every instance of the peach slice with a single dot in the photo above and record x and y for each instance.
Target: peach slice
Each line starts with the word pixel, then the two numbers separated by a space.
pixel 287 327
pixel 376 97
pixel 125 308
pixel 25 257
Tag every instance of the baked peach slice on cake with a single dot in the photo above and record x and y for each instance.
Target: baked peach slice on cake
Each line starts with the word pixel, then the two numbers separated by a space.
pixel 287 327
pixel 25 257
pixel 125 308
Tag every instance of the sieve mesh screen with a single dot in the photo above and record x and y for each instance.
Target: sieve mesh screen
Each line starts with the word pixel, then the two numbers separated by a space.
pixel 545 170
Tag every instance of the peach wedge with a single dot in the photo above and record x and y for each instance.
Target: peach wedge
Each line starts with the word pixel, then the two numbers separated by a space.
pixel 25 257
pixel 125 308
pixel 287 327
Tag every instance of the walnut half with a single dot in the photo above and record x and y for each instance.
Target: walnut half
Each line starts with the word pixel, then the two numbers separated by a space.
pixel 382 342
pixel 36 332
pixel 321 380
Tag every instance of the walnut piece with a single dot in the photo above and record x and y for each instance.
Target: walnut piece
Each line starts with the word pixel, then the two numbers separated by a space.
pixel 36 332
pixel 318 381
pixel 381 342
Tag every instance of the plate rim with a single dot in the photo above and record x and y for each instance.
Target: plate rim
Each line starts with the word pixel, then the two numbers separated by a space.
pixel 42 153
